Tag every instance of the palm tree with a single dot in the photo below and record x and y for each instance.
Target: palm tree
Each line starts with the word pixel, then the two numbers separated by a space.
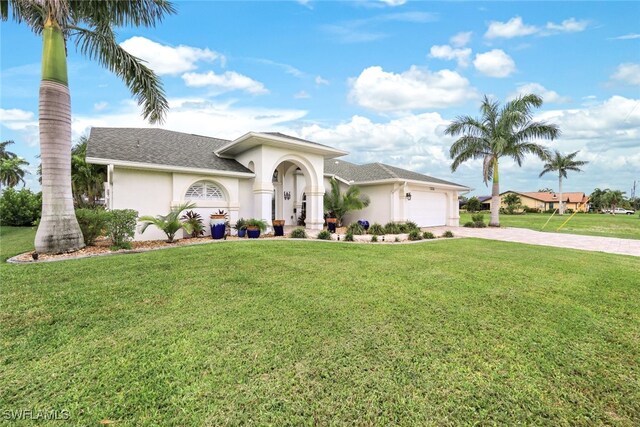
pixel 337 205
pixel 613 198
pixel 89 24
pixel 4 154
pixel 170 224
pixel 87 180
pixel 12 172
pixel 500 132
pixel 562 164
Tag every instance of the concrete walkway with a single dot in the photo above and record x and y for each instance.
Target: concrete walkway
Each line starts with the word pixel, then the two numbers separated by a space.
pixel 610 245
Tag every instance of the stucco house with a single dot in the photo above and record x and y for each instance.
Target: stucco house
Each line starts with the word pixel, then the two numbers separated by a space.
pixel 262 175
pixel 576 201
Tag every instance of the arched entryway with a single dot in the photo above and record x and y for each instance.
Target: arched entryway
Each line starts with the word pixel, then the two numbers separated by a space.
pixel 290 181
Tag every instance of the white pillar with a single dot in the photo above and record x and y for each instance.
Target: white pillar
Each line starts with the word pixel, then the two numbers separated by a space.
pixel 315 208
pixel 262 196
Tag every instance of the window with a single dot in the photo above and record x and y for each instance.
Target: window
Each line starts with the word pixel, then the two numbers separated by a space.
pixel 204 190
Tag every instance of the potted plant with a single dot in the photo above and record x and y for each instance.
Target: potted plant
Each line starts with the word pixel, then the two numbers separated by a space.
pixel 218 223
pixel 278 227
pixel 331 224
pixel 254 227
pixel 241 227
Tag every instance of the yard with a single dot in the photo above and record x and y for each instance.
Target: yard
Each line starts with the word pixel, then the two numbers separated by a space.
pixel 449 332
pixel 624 226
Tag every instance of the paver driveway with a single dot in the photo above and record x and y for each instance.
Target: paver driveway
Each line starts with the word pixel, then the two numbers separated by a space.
pixel 611 245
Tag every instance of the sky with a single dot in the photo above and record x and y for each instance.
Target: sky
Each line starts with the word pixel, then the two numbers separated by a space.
pixel 379 79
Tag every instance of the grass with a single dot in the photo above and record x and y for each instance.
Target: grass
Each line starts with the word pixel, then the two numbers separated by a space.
pixel 451 332
pixel 625 226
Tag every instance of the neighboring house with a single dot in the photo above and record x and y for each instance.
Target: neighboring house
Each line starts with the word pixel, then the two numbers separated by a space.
pixel 259 175
pixel 576 201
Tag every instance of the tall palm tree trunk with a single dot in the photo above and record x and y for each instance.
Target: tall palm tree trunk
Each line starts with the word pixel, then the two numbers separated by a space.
pixel 495 197
pixel 560 193
pixel 58 230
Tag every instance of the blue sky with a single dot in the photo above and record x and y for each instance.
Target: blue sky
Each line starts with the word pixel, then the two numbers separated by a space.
pixel 380 79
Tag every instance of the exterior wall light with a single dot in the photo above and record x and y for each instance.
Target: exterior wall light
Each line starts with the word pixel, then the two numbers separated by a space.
pixel 408 196
pixel 287 195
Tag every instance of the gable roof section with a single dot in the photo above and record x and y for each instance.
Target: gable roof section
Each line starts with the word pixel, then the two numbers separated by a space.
pixel 160 147
pixel 371 172
pixel 254 139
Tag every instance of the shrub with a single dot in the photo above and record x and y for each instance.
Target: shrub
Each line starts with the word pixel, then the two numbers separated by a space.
pixel 469 224
pixel 20 208
pixel 527 209
pixel 92 223
pixel 257 223
pixel 473 204
pixel 392 228
pixel 193 222
pixel 447 234
pixel 121 227
pixel 397 239
pixel 324 235
pixel 415 235
pixel 356 229
pixel 479 224
pixel 428 235
pixel 348 237
pixel 411 226
pixel 376 229
pixel 477 217
pixel 298 233
pixel 169 224
pixel 374 238
pixel 240 224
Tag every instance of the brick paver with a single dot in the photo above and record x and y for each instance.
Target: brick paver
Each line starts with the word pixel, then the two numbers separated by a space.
pixel 610 245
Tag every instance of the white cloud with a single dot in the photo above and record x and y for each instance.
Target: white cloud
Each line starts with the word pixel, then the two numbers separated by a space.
pixel 228 81
pixel 630 36
pixel 461 39
pixel 627 73
pixel 510 29
pixel 515 27
pixel 495 63
pixel 320 81
pixel 99 106
pixel 196 115
pixel 549 96
pixel 570 25
pixel 394 2
pixel 302 95
pixel 14 115
pixel 415 88
pixel 447 52
pixel 169 60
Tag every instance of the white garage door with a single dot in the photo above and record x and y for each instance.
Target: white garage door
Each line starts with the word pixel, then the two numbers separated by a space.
pixel 427 209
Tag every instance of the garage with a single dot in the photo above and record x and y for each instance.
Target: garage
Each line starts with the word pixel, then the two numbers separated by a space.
pixel 427 208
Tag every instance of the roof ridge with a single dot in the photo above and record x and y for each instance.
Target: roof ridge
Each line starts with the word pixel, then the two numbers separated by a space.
pixel 386 168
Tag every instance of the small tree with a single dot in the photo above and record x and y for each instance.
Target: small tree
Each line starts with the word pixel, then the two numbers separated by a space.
pixel 337 205
pixel 613 198
pixel 474 204
pixel 512 201
pixel 170 224
pixel 562 164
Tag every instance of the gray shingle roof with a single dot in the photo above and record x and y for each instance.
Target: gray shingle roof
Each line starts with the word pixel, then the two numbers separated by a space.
pixel 160 147
pixel 376 172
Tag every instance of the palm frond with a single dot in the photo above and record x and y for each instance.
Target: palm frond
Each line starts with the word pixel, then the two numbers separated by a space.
pixel 121 13
pixel 143 83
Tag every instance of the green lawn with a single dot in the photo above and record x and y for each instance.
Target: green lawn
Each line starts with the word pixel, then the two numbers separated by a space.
pixel 449 332
pixel 625 226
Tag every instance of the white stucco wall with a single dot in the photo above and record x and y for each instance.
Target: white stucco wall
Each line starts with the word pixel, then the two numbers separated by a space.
pixel 154 193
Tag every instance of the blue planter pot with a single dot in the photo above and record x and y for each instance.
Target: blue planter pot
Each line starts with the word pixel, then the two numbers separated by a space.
pixel 253 234
pixel 242 232
pixel 331 226
pixel 364 224
pixel 217 230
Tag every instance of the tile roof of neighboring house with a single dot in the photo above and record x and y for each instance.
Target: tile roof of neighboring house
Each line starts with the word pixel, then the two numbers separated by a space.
pixel 484 198
pixel 375 172
pixel 569 197
pixel 160 147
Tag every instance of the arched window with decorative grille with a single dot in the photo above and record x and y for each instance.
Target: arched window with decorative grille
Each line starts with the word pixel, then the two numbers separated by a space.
pixel 204 190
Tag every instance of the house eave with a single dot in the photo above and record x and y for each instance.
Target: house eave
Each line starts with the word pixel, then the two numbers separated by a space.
pixel 167 168
pixel 253 139
pixel 399 180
